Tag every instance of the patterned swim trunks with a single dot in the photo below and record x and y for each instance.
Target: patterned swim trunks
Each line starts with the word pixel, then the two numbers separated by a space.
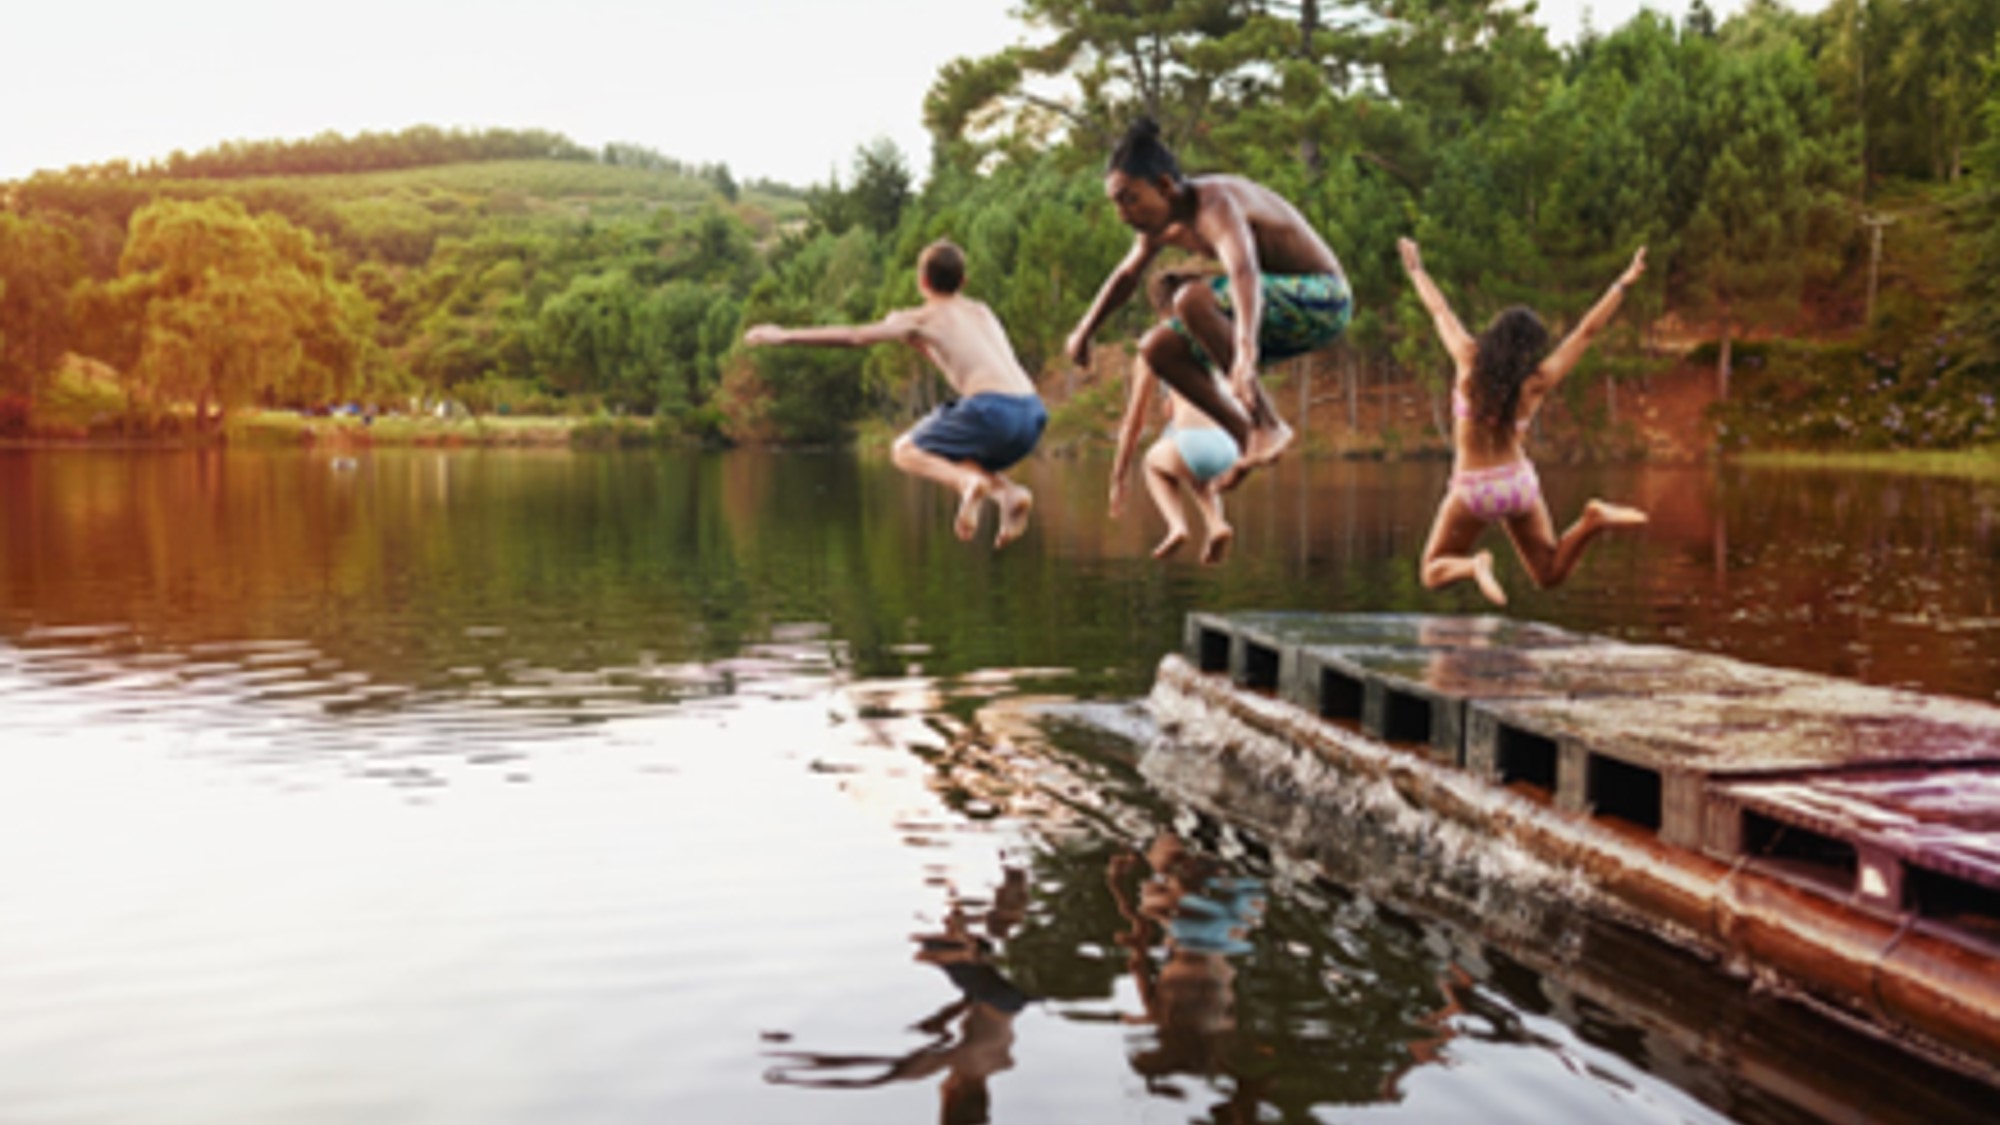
pixel 1303 312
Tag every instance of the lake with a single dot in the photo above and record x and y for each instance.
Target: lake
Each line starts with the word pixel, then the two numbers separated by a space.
pixel 539 786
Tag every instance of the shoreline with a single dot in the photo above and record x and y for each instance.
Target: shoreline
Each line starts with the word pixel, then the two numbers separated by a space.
pixel 285 431
pixel 1982 461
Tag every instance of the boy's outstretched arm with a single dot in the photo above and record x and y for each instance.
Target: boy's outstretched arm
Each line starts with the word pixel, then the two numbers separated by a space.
pixel 1129 429
pixel 1574 345
pixel 898 325
pixel 1456 339
pixel 1118 287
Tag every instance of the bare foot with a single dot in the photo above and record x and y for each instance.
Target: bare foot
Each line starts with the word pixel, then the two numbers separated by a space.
pixel 1482 573
pixel 1267 444
pixel 1175 537
pixel 1603 514
pixel 1217 547
pixel 969 499
pixel 1015 504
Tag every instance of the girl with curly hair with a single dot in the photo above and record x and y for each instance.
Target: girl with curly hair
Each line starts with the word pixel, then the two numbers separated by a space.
pixel 1501 378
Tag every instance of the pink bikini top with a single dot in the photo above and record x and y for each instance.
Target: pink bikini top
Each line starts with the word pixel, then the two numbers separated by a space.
pixel 1462 409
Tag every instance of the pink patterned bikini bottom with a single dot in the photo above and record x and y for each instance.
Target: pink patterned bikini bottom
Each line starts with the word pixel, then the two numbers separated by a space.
pixel 1501 492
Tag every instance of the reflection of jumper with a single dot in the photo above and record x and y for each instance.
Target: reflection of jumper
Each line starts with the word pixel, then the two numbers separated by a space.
pixel 1190 997
pixel 1216 922
pixel 982 983
pixel 985 1011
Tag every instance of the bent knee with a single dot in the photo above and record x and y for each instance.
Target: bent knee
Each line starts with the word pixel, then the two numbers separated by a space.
pixel 1191 301
pixel 1161 344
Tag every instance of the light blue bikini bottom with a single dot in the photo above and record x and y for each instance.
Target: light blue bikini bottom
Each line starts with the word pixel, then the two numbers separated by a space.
pixel 1207 452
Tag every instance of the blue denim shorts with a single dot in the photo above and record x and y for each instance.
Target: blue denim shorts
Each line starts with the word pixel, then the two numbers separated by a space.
pixel 993 431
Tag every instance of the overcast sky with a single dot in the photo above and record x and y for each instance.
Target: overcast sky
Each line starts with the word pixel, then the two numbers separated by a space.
pixel 785 89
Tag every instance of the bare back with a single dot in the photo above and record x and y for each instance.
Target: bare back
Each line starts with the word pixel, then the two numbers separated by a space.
pixel 968 343
pixel 1284 241
pixel 1474 442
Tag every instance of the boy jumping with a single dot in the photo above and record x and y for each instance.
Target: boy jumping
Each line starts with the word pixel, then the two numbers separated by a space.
pixel 997 418
pixel 1282 292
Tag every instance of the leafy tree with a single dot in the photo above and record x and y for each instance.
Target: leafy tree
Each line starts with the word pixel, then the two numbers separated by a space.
pixel 40 262
pixel 234 308
pixel 1910 72
pixel 1154 57
pixel 1460 64
pixel 1770 215
pixel 880 191
pixel 473 307
pixel 725 184
pixel 687 329
pixel 1977 311
pixel 815 394
pixel 1626 163
pixel 881 186
pixel 590 337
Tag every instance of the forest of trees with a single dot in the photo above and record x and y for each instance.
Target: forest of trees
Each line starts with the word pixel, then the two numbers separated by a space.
pixel 1767 161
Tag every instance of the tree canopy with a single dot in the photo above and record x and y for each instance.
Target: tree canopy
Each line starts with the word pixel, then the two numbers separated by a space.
pixel 1757 157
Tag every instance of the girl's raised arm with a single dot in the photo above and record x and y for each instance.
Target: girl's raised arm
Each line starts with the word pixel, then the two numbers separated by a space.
pixel 1456 339
pixel 1577 342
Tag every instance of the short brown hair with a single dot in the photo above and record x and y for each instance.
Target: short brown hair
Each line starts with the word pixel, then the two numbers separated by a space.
pixel 943 266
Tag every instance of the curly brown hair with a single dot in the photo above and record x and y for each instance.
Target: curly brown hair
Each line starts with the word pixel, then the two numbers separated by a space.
pixel 1509 351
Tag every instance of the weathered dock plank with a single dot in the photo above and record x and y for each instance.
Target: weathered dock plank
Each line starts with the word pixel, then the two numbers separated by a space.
pixel 1885 797
pixel 1920 963
pixel 1920 841
pixel 1412 693
pixel 1649 758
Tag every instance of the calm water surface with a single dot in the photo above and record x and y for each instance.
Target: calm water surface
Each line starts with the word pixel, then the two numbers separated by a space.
pixel 550 787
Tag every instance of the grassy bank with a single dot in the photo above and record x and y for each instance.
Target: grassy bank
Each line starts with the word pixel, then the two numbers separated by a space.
pixel 275 429
pixel 1980 462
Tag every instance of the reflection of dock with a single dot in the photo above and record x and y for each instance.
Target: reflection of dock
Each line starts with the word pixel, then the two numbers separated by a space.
pixel 1846 837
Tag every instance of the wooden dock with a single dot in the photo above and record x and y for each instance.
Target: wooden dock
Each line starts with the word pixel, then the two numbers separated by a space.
pixel 1874 807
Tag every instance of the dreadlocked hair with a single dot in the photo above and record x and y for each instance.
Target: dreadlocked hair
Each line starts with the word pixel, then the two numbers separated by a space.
pixel 1142 154
pixel 1509 351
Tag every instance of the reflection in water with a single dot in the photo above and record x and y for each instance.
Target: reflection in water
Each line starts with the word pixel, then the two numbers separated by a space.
pixel 470 786
pixel 969 1055
pixel 503 572
pixel 1440 1027
pixel 1204 917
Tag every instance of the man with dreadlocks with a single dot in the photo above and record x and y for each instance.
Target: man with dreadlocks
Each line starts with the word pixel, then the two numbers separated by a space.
pixel 1502 376
pixel 1282 292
